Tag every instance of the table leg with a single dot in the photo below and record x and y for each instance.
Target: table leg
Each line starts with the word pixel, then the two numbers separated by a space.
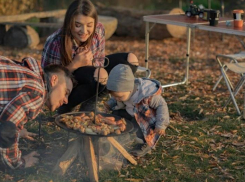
pixel 188 54
pixel 122 150
pixel 187 62
pixel 147 32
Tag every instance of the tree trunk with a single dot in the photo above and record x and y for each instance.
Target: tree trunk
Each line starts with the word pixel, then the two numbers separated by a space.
pixel 109 23
pixel 21 37
pixel 130 22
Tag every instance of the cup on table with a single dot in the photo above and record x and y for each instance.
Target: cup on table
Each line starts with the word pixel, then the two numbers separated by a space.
pixel 214 17
pixel 206 14
pixel 238 18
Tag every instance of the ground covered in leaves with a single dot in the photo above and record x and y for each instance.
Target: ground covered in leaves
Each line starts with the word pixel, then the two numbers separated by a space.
pixel 205 142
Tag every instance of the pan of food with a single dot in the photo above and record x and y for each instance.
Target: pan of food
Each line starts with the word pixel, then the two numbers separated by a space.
pixel 101 125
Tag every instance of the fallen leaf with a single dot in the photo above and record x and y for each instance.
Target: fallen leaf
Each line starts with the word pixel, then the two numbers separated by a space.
pixel 183 98
pixel 226 117
pixel 132 179
pixel 239 167
pixel 238 144
pixel 198 98
pixel 227 135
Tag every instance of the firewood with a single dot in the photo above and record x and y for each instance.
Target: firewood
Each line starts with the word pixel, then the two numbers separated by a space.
pixel 91 159
pixel 122 150
pixel 68 157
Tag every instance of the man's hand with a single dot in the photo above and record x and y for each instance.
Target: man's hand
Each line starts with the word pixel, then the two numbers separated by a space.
pixel 30 159
pixel 160 131
pixel 28 135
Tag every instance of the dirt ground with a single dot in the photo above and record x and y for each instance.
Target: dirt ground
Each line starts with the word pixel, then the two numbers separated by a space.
pixel 195 112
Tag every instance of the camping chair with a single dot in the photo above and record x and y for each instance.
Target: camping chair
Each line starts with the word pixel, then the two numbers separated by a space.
pixel 238 68
pixel 233 59
pixel 144 69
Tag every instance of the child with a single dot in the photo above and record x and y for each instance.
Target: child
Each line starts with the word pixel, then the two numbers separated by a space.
pixel 139 100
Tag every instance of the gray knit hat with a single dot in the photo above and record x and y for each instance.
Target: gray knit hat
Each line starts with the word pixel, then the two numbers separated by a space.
pixel 121 79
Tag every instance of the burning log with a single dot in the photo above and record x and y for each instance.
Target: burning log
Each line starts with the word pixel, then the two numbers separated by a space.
pixel 68 157
pixel 122 150
pixel 87 145
pixel 91 159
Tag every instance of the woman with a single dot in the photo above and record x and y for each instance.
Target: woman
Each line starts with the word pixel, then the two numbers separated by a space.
pixel 80 41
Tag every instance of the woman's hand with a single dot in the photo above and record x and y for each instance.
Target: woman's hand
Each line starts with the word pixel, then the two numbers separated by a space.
pixel 83 57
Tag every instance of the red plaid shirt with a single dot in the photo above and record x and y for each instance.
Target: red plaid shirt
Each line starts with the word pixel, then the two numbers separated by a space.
pixel 22 95
pixel 51 51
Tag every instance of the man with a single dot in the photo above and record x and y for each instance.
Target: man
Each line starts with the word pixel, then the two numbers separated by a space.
pixel 24 89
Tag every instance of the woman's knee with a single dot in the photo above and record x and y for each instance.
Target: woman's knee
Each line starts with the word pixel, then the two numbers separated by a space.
pixel 103 76
pixel 132 59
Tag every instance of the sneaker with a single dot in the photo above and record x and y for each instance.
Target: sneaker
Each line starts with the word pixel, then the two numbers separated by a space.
pixel 139 140
pixel 144 149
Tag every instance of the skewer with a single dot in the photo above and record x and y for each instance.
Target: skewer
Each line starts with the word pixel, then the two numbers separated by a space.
pixel 98 77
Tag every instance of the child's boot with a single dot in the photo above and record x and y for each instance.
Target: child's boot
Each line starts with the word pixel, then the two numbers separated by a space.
pixel 143 149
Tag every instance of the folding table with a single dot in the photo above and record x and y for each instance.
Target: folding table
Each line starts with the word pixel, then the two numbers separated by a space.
pixel 184 21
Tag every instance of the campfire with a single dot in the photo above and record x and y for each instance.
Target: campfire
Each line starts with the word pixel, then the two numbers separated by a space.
pixel 101 141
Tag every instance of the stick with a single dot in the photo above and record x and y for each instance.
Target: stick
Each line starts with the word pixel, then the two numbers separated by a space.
pixel 122 150
pixel 91 160
pixel 67 158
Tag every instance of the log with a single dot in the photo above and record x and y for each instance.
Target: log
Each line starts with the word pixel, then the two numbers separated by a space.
pixel 22 17
pixel 90 158
pixel 109 23
pixel 21 37
pixel 130 22
pixel 68 157
pixel 34 24
pixel 47 31
pixel 122 150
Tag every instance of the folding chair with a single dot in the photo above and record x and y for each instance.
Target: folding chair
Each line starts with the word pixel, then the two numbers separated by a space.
pixel 233 59
pixel 144 69
pixel 238 68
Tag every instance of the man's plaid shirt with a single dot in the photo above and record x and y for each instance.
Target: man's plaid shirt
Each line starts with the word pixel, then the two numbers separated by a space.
pixel 22 95
pixel 51 51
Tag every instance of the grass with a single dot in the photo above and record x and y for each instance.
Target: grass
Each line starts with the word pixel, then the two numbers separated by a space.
pixel 204 142
pixel 197 147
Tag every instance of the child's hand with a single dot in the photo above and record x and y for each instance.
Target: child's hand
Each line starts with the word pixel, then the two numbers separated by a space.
pixel 106 107
pixel 160 131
